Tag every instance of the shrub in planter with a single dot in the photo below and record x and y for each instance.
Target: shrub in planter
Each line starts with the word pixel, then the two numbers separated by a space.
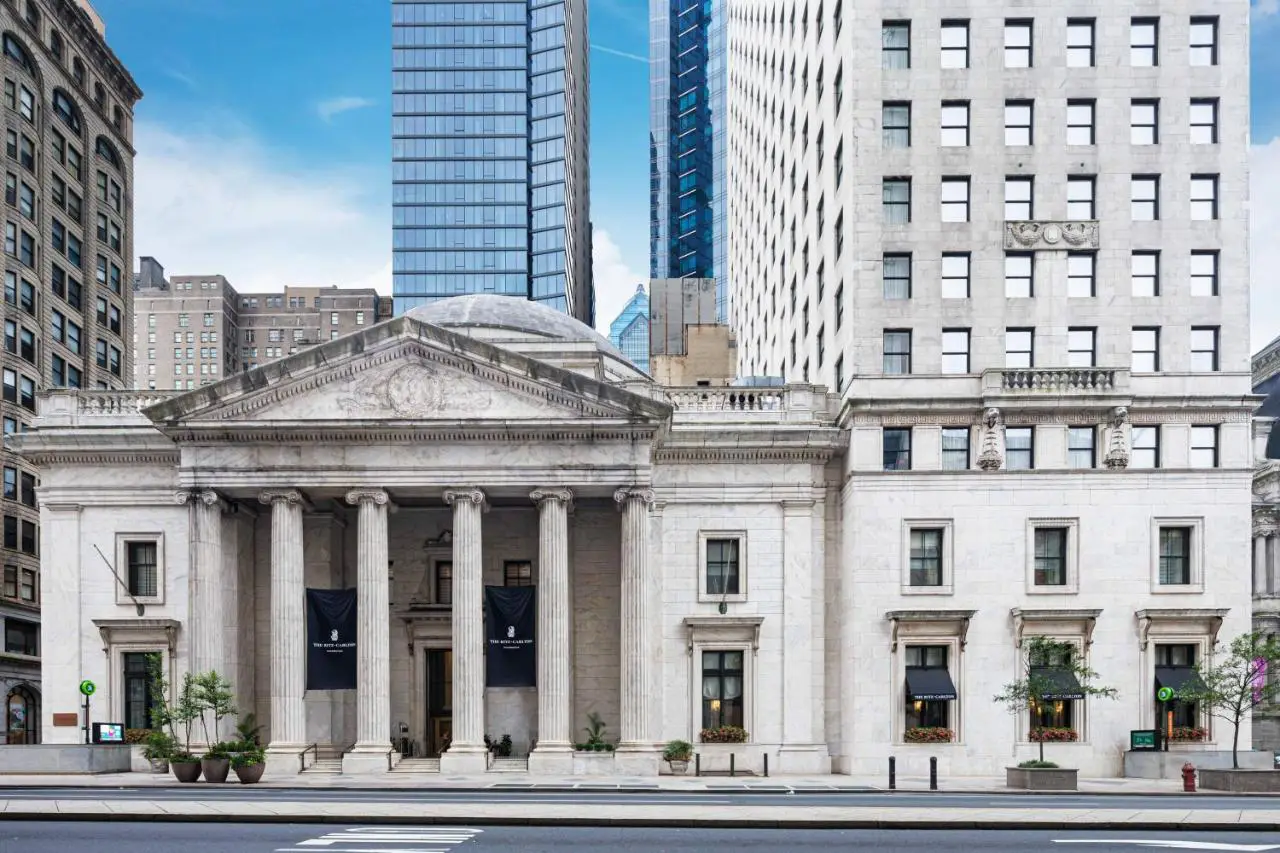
pixel 724 734
pixel 216 763
pixel 249 765
pixel 1053 734
pixel 158 750
pixel 928 734
pixel 1037 764
pixel 677 755
pixel 1189 734
pixel 135 737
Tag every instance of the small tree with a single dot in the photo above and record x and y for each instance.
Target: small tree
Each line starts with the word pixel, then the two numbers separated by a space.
pixel 1236 684
pixel 213 694
pixel 1044 661
pixel 184 712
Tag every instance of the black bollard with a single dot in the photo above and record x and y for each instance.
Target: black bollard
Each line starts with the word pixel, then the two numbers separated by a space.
pixel 766 765
pixel 732 756
pixel 893 773
pixel 697 764
pixel 933 773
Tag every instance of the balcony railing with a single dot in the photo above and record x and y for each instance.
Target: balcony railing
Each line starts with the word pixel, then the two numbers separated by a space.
pixel 728 399
pixel 69 406
pixel 1058 380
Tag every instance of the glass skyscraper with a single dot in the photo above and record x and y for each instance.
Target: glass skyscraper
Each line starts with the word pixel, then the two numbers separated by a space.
pixel 629 331
pixel 687 138
pixel 489 152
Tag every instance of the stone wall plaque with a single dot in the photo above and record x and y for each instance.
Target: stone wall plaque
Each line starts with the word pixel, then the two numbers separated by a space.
pixel 1060 236
pixel 66 720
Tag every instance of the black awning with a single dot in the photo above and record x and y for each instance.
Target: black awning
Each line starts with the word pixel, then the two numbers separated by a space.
pixel 1059 684
pixel 1177 678
pixel 927 682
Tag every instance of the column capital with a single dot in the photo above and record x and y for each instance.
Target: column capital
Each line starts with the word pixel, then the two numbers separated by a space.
pixel 563 495
pixel 275 496
pixel 376 496
pixel 1265 521
pixel 634 493
pixel 208 497
pixel 465 494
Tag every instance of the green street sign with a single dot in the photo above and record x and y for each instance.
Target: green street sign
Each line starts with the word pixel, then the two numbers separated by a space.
pixel 1164 694
pixel 87 688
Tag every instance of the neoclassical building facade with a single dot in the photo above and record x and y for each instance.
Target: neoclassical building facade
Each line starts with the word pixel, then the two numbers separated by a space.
pixel 839 578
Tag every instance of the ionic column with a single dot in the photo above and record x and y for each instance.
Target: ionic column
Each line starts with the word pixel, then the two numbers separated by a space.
pixel 638 658
pixel 1259 564
pixel 1264 557
pixel 555 730
pixel 288 725
pixel 373 635
pixel 466 753
pixel 205 616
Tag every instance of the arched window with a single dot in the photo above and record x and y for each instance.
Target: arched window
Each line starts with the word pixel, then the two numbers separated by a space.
pixel 55 43
pixel 22 715
pixel 15 51
pixel 107 152
pixel 66 109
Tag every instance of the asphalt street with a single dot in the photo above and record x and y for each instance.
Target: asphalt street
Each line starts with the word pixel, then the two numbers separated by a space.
pixel 124 837
pixel 899 799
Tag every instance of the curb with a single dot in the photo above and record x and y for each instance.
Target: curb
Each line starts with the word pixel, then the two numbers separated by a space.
pixel 509 788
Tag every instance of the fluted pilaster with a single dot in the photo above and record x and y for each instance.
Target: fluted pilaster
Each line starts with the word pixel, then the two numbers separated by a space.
pixel 206 585
pixel 288 621
pixel 468 622
pixel 373 634
pixel 637 658
pixel 555 727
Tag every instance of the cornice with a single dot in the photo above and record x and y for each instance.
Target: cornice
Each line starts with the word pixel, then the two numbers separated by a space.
pixel 711 455
pixel 100 457
pixel 344 432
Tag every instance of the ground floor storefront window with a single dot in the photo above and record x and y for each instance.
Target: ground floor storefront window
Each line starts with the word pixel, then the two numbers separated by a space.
pixel 722 689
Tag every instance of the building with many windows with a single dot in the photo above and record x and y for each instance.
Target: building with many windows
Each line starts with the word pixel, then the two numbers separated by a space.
pixel 1266 531
pixel 68 122
pixel 489 152
pixel 629 331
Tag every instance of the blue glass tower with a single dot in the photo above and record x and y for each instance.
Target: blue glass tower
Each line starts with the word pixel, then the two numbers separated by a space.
pixel 629 331
pixel 687 128
pixel 489 152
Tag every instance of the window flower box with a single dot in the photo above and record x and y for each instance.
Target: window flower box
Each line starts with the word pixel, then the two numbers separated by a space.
pixel 724 734
pixel 928 734
pixel 1054 734
pixel 1189 734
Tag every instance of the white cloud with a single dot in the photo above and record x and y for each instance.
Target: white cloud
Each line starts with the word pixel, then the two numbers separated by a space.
pixel 222 203
pixel 334 106
pixel 1265 8
pixel 1264 248
pixel 615 281
pixel 624 54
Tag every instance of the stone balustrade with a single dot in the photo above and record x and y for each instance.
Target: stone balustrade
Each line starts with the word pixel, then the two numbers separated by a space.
pixel 1064 380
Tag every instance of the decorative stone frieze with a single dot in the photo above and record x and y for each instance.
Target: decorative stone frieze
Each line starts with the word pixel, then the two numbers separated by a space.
pixel 1044 235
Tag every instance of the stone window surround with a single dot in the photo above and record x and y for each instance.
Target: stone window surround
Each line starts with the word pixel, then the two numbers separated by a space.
pixel 136 635
pixel 1196 552
pixel 1188 626
pixel 1071 626
pixel 1071 563
pixel 705 536
pixel 948 628
pixel 122 568
pixel 947 526
pixel 729 634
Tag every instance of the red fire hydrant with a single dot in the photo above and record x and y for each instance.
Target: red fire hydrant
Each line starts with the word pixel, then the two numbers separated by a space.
pixel 1189 778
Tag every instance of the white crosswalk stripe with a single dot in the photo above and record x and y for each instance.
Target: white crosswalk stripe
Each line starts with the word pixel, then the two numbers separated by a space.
pixel 386 839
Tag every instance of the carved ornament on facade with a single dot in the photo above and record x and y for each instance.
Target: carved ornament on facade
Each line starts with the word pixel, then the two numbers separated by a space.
pixel 634 493
pixel 991 457
pixel 1265 522
pixel 466 495
pixel 1118 446
pixel 1051 235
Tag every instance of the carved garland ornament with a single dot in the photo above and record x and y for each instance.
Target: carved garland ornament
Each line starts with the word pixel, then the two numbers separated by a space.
pixel 1051 234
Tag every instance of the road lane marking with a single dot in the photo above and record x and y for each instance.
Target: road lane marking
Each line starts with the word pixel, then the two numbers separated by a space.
pixel 387 839
pixel 1176 845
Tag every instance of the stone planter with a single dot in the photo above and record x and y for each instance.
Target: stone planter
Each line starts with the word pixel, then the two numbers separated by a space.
pixel 1040 779
pixel 593 764
pixel 248 774
pixel 185 771
pixel 679 767
pixel 159 765
pixel 1240 781
pixel 215 770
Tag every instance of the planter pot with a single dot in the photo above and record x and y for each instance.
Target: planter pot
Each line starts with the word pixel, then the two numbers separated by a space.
pixel 185 771
pixel 1241 781
pixel 248 774
pixel 1040 779
pixel 159 765
pixel 215 769
pixel 594 764
pixel 679 767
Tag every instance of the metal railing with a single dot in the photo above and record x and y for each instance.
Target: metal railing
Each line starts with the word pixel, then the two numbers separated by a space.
pixel 302 756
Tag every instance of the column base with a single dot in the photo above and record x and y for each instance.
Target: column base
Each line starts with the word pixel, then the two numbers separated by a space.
pixel 638 759
pixel 551 760
pixel 465 761
pixel 283 760
pixel 804 759
pixel 367 760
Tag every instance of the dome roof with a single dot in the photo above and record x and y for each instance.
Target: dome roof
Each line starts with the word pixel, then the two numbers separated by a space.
pixel 486 310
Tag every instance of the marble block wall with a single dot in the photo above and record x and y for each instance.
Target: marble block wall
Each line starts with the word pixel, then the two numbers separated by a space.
pixel 595 537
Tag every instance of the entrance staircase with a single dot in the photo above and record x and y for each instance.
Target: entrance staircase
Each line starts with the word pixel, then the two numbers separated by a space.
pixel 417 765
pixel 509 765
pixel 327 762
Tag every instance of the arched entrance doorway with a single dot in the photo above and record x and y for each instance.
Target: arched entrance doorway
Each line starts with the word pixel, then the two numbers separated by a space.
pixel 22 715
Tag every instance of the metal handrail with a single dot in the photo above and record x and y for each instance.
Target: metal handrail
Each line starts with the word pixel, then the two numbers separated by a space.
pixel 302 756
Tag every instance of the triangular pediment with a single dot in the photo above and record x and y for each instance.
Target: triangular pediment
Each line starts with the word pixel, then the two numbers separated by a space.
pixel 406 371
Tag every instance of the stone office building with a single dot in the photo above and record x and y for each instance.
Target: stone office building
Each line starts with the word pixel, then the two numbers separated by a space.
pixel 703 557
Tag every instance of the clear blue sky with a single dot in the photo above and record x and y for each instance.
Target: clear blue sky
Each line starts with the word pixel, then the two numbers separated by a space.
pixel 263 139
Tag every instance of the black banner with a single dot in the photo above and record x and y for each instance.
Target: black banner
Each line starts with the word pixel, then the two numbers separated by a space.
pixel 331 639
pixel 511 620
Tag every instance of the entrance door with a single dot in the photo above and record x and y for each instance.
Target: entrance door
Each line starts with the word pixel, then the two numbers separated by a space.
pixel 439 700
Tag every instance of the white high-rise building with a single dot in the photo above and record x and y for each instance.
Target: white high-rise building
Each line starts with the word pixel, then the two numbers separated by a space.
pixel 1013 236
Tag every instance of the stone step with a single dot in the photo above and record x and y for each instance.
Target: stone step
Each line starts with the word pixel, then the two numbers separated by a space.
pixel 509 765
pixel 417 765
pixel 326 767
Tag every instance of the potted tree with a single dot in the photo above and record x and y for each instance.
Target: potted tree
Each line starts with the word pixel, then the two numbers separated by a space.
pixel 157 750
pixel 213 694
pixel 183 713
pixel 677 755
pixel 249 763
pixel 593 757
pixel 1229 689
pixel 1051 669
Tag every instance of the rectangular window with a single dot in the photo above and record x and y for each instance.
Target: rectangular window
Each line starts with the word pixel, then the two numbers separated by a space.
pixel 11 483
pixel 722 567
pixel 1146 350
pixel 897 276
pixel 1144 122
pixel 139 700
pixel 1175 556
pixel 1204 121
pixel 1019 195
pixel 28 489
pixel 723 685
pixel 21 638
pixel 1204 273
pixel 1017 44
pixel 1018 348
pixel 1204 447
pixel 29 538
pixel 955 124
pixel 1204 197
pixel 1144 275
pixel 955 350
pixel 1145 441
pixel 1051 556
pixel 1204 41
pixel 897 448
pixel 955 44
pixel 955 275
pixel 955 199
pixel 517 573
pixel 895 40
pixel 1081 275
pixel 1080 124
pixel 927 661
pixel 1080 43
pixel 897 201
pixel 1204 349
pixel 143 569
pixel 11 581
pixel 1019 275
pixel 1019 448
pixel 896 125
pixel 926 556
pixel 1144 198
pixel 1018 123
pixel 955 449
pixel 1080 447
pixel 1081 347
pixel 897 352
pixel 1144 42
pixel 1081 192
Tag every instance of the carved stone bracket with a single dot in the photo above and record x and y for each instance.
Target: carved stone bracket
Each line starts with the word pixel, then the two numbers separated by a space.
pixel 960 618
pixel 1087 620
pixel 991 456
pixel 1052 236
pixel 1118 446
pixel 1205 618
